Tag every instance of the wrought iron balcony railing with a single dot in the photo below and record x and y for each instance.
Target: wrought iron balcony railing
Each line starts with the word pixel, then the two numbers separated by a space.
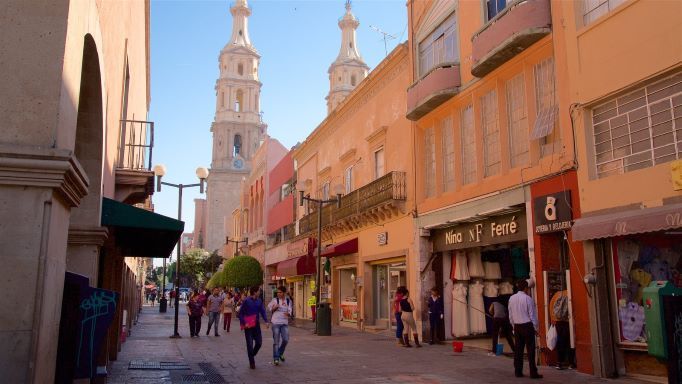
pixel 136 143
pixel 380 192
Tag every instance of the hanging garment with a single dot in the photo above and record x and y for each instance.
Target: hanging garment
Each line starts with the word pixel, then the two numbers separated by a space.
pixel 520 263
pixel 476 309
pixel 632 321
pixel 492 270
pixel 490 289
pixel 659 270
pixel 490 292
pixel 475 265
pixel 460 315
pixel 506 288
pixel 628 252
pixel 647 254
pixel 670 256
pixel 460 269
pixel 506 267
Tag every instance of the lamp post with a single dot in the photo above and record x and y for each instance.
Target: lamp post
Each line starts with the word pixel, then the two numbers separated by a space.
pixel 236 242
pixel 338 189
pixel 202 174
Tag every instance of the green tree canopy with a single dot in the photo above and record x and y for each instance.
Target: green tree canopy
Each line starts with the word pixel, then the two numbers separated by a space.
pixel 242 272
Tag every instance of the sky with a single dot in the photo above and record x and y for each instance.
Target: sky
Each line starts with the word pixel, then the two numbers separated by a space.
pixel 297 41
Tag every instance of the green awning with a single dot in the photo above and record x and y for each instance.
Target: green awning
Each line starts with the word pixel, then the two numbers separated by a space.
pixel 139 232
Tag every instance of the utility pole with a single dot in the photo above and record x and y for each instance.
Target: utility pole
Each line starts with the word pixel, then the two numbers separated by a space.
pixel 387 36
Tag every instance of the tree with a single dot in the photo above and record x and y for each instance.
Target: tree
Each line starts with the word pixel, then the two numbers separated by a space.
pixel 242 272
pixel 211 264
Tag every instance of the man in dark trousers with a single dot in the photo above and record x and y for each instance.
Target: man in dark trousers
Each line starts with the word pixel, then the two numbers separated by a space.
pixel 436 311
pixel 523 317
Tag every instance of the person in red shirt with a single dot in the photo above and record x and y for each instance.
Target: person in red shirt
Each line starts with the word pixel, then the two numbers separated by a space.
pixel 399 293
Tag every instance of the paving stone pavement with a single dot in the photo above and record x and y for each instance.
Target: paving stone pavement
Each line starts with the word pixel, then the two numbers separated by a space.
pixel 348 356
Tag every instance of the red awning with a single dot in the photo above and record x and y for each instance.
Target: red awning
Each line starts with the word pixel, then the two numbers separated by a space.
pixel 346 247
pixel 303 265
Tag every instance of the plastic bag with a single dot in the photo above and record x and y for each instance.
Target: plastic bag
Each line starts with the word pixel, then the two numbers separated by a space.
pixel 551 338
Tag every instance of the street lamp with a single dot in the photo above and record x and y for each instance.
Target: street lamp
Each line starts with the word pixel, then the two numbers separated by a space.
pixel 338 190
pixel 202 174
pixel 236 247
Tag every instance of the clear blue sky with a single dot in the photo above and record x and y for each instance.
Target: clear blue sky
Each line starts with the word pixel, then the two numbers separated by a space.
pixel 297 41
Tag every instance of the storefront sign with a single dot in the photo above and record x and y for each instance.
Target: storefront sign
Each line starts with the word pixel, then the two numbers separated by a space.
pixel 552 213
pixel 303 247
pixel 382 238
pixel 494 230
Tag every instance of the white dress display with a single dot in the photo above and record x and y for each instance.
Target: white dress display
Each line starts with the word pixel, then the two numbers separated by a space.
pixel 460 267
pixel 492 270
pixel 476 310
pixel 475 263
pixel 460 315
pixel 490 289
pixel 506 288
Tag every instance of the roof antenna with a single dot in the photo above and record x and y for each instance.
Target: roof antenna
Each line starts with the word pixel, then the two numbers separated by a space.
pixel 386 36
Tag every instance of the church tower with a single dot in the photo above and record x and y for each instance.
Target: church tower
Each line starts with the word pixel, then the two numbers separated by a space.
pixel 237 127
pixel 348 70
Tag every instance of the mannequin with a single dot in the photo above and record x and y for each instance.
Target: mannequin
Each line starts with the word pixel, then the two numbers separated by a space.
pixel 460 315
pixel 476 309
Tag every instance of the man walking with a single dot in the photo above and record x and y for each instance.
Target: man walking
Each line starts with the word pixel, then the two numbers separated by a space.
pixel 214 305
pixel 524 318
pixel 281 310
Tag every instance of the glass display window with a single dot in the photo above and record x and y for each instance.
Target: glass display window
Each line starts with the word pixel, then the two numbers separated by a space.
pixel 348 300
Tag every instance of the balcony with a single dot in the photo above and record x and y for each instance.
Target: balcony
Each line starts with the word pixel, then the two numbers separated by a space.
pixel 134 175
pixel 375 202
pixel 517 27
pixel 432 90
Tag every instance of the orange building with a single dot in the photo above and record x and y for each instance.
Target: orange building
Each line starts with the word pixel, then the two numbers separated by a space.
pixel 362 153
pixel 494 147
pixel 623 62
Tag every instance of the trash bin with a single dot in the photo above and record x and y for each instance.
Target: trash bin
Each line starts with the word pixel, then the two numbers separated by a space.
pixel 324 319
pixel 162 305
pixel 653 314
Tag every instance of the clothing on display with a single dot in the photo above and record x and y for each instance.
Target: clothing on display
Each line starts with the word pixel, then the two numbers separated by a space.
pixel 628 252
pixel 642 278
pixel 492 270
pixel 506 288
pixel 520 263
pixel 476 309
pixel 460 269
pixel 460 315
pixel 659 269
pixel 632 321
pixel 490 289
pixel 475 264
pixel 506 266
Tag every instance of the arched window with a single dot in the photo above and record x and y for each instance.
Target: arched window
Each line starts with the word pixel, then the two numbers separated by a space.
pixel 352 80
pixel 239 102
pixel 240 69
pixel 237 144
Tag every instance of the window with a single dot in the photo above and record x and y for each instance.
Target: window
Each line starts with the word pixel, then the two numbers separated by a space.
pixel 594 9
pixel 430 162
pixel 237 144
pixel 378 163
pixel 352 80
pixel 222 99
pixel 468 146
pixel 640 129
pixel 439 47
pixel 493 7
pixel 325 190
pixel 491 134
pixel 518 122
pixel 448 148
pixel 546 106
pixel 239 102
pixel 348 178
pixel 240 69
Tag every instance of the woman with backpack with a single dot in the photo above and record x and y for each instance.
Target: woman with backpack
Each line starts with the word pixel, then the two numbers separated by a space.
pixel 559 316
pixel 251 307
pixel 282 311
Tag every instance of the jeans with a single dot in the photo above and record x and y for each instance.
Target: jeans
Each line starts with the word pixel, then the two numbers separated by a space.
pixel 254 340
pixel 398 326
pixel 280 339
pixel 213 319
pixel 194 325
pixel 434 323
pixel 524 335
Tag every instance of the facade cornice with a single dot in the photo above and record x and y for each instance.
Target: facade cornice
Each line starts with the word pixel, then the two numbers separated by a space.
pixel 88 235
pixel 386 71
pixel 377 134
pixel 44 167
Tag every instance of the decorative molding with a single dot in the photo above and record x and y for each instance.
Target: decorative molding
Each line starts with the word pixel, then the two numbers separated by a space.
pixel 379 133
pixel 44 167
pixel 88 235
pixel 349 154
pixel 324 171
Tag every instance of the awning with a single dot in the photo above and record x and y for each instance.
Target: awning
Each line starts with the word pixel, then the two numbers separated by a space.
pixel 628 222
pixel 297 266
pixel 139 232
pixel 343 248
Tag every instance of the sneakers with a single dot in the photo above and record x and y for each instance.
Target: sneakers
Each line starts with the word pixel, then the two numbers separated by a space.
pixel 491 354
pixel 217 334
pixel 281 358
pixel 276 362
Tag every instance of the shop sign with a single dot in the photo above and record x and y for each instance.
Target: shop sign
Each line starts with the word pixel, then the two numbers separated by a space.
pixel 303 247
pixel 382 238
pixel 494 230
pixel 552 213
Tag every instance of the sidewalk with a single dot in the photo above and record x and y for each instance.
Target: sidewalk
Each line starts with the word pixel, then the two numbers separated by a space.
pixel 348 356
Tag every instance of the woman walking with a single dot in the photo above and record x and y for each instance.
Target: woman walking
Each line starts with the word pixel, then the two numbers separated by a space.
pixel 399 293
pixel 251 307
pixel 228 306
pixel 195 309
pixel 407 307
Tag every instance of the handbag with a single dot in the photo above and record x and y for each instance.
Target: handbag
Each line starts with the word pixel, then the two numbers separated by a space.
pixel 249 322
pixel 551 337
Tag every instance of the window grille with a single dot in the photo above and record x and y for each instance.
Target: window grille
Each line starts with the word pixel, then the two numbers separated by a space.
pixel 640 129
pixel 491 134
pixel 468 146
pixel 594 9
pixel 517 118
pixel 439 47
pixel 430 161
pixel 545 99
pixel 448 148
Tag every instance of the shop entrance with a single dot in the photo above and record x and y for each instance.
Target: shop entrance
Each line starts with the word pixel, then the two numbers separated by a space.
pixel 348 299
pixel 387 278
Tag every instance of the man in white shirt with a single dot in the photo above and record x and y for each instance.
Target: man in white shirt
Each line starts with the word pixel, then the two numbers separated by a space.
pixel 523 317
pixel 281 310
